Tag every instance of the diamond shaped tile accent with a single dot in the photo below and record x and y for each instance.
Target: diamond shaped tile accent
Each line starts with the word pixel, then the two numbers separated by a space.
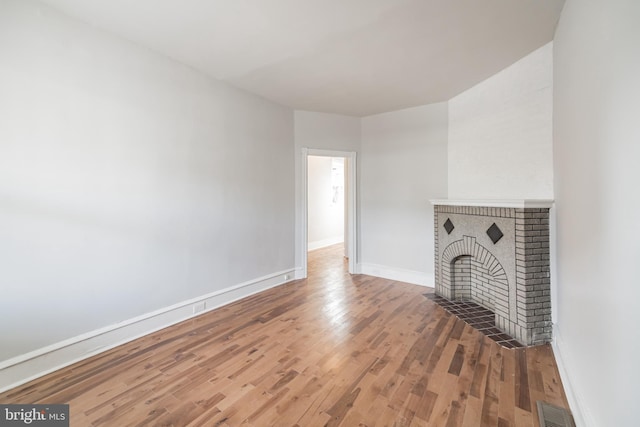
pixel 448 225
pixel 494 233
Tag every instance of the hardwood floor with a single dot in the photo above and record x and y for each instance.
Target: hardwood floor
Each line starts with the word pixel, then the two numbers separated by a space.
pixel 332 350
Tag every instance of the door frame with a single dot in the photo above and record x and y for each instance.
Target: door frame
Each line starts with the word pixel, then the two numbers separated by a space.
pixel 350 206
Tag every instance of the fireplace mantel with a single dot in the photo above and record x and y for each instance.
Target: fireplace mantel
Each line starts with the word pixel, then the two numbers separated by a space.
pixel 496 253
pixel 493 203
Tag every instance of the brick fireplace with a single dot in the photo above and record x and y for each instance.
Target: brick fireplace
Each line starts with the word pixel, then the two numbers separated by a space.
pixel 496 254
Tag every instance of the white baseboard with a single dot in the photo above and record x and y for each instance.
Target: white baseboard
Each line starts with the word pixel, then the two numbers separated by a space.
pixel 324 243
pixel 399 274
pixel 300 273
pixel 24 368
pixel 581 414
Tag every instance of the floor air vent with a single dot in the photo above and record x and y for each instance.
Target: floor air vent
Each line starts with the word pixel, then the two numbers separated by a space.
pixel 553 416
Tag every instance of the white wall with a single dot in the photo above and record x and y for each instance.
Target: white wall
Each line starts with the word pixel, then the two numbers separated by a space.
pixel 128 182
pixel 319 131
pixel 325 211
pixel 500 133
pixel 596 153
pixel 404 165
pixel 327 131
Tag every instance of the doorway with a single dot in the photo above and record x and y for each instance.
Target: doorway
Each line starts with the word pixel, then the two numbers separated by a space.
pixel 342 168
pixel 325 202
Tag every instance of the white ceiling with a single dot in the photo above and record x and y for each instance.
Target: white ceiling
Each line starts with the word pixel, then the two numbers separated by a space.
pixel 353 57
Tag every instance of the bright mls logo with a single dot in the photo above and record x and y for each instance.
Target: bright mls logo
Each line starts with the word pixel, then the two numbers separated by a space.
pixel 34 415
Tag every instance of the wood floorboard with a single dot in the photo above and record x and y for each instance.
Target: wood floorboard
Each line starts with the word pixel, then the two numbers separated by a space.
pixel 331 350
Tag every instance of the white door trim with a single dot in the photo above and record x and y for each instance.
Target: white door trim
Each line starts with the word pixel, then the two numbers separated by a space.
pixel 352 247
